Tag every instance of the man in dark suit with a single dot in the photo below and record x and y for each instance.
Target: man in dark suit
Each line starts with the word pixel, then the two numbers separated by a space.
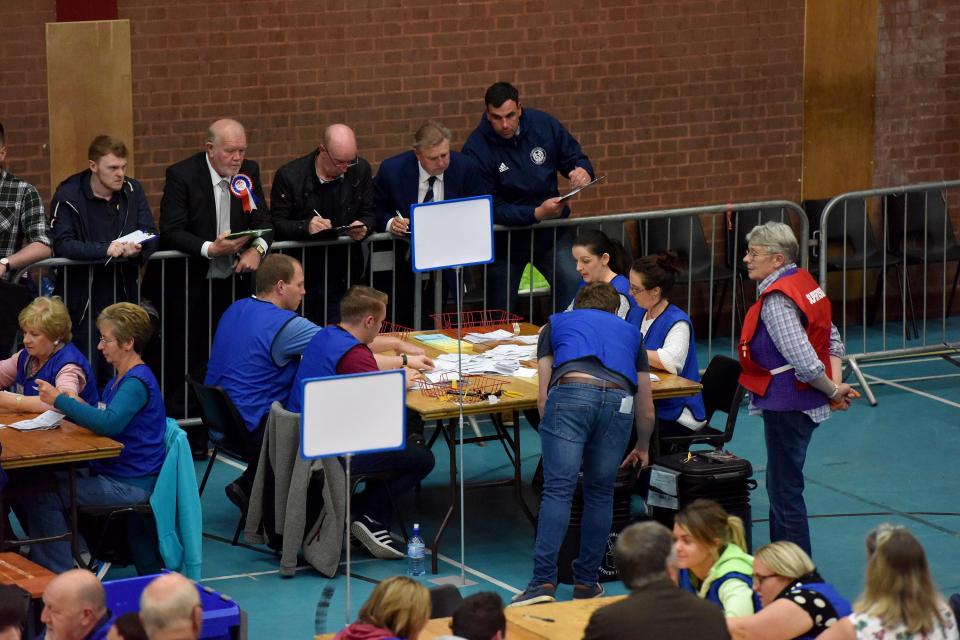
pixel 427 173
pixel 656 606
pixel 320 196
pixel 207 197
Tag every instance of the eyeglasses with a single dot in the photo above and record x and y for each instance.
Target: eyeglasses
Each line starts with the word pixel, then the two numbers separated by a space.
pixel 753 254
pixel 106 340
pixel 341 163
pixel 635 291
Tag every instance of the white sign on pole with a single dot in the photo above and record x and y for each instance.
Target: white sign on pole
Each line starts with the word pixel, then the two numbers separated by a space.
pixel 451 233
pixel 356 413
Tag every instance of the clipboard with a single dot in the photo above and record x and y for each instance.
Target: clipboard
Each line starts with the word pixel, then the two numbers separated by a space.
pixel 579 189
pixel 252 233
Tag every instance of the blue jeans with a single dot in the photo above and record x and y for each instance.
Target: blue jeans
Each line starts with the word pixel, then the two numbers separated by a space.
pixel 47 514
pixel 582 427
pixel 563 280
pixel 787 434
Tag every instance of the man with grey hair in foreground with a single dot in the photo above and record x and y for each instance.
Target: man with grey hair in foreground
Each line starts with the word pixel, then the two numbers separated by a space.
pixel 656 606
pixel 170 609
pixel 75 607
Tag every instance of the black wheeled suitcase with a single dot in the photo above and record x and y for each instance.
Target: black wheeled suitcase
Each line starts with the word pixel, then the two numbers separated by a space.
pixel 678 479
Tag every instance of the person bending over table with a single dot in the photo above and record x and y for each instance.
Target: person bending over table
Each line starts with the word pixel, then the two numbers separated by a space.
pixel 594 389
pixel 132 414
pixel 601 259
pixel 796 601
pixel 713 565
pixel 344 348
pixel 47 355
pixel 668 336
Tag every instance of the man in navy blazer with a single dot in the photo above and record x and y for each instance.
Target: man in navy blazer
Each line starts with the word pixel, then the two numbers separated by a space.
pixel 427 173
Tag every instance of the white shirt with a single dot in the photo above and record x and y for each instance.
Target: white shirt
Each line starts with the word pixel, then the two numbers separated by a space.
pixel 425 184
pixel 218 190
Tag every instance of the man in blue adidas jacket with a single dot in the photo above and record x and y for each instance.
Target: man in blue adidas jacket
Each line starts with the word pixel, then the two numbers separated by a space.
pixel 520 151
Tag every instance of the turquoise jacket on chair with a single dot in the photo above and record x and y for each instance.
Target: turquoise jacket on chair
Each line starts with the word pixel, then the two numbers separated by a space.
pixel 176 506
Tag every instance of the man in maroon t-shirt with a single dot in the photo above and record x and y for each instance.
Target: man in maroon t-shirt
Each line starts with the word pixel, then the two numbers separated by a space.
pixel 362 311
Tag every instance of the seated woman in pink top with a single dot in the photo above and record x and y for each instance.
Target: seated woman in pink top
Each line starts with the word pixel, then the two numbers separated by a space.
pixel 47 355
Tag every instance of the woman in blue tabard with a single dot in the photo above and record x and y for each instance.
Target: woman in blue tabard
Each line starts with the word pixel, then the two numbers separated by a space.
pixel 132 413
pixel 668 338
pixel 47 355
pixel 601 259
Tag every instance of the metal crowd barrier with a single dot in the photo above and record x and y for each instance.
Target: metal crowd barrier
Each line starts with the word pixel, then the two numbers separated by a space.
pixel 898 229
pixel 709 240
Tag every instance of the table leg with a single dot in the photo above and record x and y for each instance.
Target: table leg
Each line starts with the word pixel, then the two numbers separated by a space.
pixel 517 470
pixel 450 437
pixel 74 526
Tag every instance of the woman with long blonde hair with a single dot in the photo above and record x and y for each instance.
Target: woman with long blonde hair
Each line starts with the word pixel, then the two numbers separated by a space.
pixel 899 600
pixel 713 565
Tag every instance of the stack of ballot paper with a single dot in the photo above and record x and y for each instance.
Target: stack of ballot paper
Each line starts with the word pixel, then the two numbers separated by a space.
pixel 46 420
pixel 441 342
pixel 499 334
pixel 502 360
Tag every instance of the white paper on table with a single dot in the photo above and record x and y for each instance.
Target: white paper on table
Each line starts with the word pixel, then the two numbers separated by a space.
pixel 46 420
pixel 654 377
pixel 525 372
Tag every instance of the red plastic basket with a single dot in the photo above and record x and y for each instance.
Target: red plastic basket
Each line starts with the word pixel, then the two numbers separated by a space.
pixel 476 388
pixel 477 320
pixel 395 330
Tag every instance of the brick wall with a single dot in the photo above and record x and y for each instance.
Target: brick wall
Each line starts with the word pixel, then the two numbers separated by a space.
pixel 679 102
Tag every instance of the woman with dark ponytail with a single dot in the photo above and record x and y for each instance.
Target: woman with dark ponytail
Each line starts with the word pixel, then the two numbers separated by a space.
pixel 599 258
pixel 668 337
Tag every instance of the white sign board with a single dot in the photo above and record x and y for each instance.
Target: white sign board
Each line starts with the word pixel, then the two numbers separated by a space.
pixel 451 233
pixel 355 413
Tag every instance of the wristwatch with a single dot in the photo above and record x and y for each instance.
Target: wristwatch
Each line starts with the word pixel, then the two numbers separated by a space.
pixel 403 359
pixel 262 250
pixel 6 263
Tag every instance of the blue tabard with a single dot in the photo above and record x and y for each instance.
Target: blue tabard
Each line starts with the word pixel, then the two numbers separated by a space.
pixel 69 354
pixel 241 360
pixel 670 408
pixel 142 438
pixel 320 360
pixel 583 333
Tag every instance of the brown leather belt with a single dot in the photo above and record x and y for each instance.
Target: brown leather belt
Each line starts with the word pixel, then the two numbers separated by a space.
pixel 593 382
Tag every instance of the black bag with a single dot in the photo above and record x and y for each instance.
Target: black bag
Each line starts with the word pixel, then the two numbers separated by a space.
pixel 716 475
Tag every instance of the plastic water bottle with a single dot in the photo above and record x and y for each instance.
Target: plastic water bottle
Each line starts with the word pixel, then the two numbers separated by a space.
pixel 415 552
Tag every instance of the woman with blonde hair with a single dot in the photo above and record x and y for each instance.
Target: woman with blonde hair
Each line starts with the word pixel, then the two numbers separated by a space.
pixel 713 565
pixel 796 601
pixel 132 413
pixel 899 600
pixel 398 609
pixel 47 355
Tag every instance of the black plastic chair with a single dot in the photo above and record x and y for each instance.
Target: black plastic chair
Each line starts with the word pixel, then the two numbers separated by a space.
pixel 227 430
pixel 849 230
pixel 685 236
pixel 920 228
pixel 122 535
pixel 721 391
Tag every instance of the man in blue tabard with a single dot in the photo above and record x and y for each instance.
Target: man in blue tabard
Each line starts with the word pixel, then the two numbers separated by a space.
pixel 594 389
pixel 430 172
pixel 520 151
pixel 343 349
pixel 255 354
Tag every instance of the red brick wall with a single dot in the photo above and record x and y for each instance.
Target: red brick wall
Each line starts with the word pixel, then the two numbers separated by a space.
pixel 679 102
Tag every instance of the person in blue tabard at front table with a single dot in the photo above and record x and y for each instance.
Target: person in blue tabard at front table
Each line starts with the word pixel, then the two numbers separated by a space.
pixel 48 355
pixel 257 349
pixel 594 390
pixel 430 172
pixel 602 259
pixel 132 414
pixel 342 349
pixel 668 337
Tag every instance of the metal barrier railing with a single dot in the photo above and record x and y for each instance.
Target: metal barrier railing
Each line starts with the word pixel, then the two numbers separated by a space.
pixel 709 238
pixel 898 229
